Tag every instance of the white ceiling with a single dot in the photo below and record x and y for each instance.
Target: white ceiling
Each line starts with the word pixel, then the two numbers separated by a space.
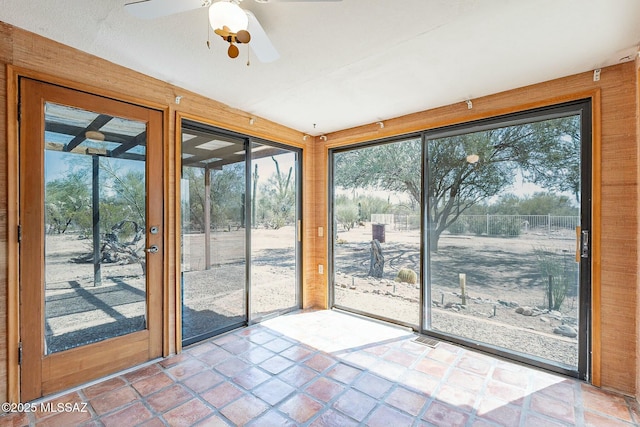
pixel 354 62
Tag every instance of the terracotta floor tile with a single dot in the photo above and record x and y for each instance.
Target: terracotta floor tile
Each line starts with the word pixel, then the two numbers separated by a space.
pixel 213 421
pixel 186 369
pixel 591 419
pixel 272 418
pixel 103 387
pixel 320 362
pixel 383 416
pixel 215 356
pixel 389 370
pixel 129 416
pixel 200 348
pixel 444 354
pixel 277 345
pixel 174 360
pixel 152 384
pixel 154 422
pixel 378 350
pixel 15 419
pixel 432 367
pixel 465 379
pixel 444 415
pixel 273 391
pixel 300 408
pixel 355 404
pixel 605 403
pixel 169 398
pixel 250 378
pixel 222 394
pixel 456 396
pixel 553 408
pixel 187 414
pixel 243 410
pixel 500 412
pixel 226 339
pixel 257 355
pixel 331 418
pixel 203 381
pixel 296 353
pixel 563 391
pixel 533 420
pixel 324 389
pixel 344 373
pixel 262 337
pixel 517 379
pixel 372 385
pixel 239 346
pixel 231 367
pixel 475 364
pixel 66 419
pixel 420 382
pixel 276 364
pixel 505 392
pixel 51 406
pixel 297 376
pixel 401 358
pixel 112 400
pixel 142 373
pixel 406 400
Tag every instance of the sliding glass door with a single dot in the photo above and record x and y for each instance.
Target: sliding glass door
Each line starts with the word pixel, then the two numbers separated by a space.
pixel 476 233
pixel 240 233
pixel 507 214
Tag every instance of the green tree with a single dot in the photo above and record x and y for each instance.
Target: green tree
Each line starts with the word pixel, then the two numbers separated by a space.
pixel 540 151
pixel 68 203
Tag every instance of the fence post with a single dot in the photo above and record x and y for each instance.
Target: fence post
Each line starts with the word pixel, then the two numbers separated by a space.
pixel 463 287
pixel 549 224
pixel 550 292
pixel 487 224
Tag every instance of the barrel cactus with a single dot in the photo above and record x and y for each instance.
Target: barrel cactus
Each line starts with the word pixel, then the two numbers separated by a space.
pixel 407 275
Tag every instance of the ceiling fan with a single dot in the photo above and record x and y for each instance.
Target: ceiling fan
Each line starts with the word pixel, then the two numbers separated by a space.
pixel 227 19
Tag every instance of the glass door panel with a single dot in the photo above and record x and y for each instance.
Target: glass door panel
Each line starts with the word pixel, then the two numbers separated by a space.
pixel 95 222
pixel 213 190
pixel 274 233
pixel 504 209
pixel 376 230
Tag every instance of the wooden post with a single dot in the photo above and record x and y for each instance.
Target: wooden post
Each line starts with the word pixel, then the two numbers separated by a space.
pixel 376 268
pixel 463 287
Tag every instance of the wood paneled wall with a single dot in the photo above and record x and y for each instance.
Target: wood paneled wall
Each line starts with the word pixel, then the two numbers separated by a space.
pixel 638 232
pixel 615 202
pixel 615 271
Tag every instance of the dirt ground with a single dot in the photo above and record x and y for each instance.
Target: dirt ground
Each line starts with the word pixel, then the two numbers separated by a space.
pixel 502 274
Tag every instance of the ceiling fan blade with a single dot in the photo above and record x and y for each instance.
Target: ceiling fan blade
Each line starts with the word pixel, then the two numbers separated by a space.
pixel 291 1
pixel 260 43
pixel 151 9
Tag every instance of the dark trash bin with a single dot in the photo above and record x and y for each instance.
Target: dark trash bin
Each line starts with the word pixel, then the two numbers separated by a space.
pixel 378 232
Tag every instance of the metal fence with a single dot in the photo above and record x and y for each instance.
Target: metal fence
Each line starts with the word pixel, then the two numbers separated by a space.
pixel 492 225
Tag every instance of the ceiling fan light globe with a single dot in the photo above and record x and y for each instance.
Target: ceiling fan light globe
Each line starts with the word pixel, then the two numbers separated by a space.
pixel 226 14
pixel 233 51
pixel 243 36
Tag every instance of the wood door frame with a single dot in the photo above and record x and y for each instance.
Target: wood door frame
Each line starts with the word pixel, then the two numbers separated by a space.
pixel 14 73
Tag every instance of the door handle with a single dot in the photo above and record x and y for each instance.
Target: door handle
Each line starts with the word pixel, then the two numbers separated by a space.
pixel 153 249
pixel 584 244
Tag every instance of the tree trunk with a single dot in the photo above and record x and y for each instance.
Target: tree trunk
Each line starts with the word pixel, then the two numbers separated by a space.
pixel 434 237
pixel 376 268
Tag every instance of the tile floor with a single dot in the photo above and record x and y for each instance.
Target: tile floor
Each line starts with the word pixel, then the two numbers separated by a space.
pixel 326 368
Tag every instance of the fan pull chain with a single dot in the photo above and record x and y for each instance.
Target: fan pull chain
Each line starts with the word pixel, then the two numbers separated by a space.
pixel 248 56
pixel 208 36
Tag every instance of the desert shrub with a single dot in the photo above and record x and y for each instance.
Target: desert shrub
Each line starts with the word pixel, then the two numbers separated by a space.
pixel 505 226
pixel 346 215
pixel 407 275
pixel 458 227
pixel 561 271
